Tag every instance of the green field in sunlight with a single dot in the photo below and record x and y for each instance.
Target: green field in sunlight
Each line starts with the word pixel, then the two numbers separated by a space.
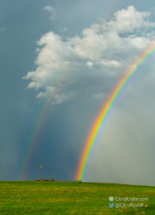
pixel 50 197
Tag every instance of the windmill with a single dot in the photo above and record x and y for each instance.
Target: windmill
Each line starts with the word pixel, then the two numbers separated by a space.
pixel 40 171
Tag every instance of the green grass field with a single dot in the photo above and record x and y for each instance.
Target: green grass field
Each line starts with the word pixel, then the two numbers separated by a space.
pixel 40 197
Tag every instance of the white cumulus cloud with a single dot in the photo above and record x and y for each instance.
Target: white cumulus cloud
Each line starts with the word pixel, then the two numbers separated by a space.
pixel 106 48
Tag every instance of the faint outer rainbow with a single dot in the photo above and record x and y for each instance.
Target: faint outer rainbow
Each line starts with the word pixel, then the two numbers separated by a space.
pixel 35 129
pixel 100 119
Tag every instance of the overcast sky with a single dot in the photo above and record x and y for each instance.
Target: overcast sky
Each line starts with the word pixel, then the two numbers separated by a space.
pixel 59 61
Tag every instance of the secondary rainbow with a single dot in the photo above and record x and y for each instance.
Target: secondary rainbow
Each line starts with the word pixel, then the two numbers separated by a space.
pixel 100 119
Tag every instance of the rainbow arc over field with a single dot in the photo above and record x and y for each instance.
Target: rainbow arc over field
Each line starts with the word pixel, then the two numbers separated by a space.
pixel 43 110
pixel 101 116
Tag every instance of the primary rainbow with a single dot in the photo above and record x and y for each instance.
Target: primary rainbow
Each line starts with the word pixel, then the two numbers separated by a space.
pixel 100 119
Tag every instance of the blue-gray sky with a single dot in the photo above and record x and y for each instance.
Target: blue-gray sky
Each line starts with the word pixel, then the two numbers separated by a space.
pixel 77 51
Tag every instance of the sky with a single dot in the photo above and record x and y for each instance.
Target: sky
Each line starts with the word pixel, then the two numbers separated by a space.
pixel 59 62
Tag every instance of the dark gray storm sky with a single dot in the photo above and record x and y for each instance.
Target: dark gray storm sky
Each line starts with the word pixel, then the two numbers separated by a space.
pixel 76 51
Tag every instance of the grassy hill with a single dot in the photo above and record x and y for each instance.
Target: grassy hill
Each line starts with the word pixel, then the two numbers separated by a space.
pixel 50 197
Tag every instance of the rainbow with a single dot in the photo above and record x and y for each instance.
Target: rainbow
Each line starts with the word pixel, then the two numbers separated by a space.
pixel 100 119
pixel 35 129
pixel 43 110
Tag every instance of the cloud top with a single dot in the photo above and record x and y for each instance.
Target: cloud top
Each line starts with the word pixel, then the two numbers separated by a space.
pixel 52 11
